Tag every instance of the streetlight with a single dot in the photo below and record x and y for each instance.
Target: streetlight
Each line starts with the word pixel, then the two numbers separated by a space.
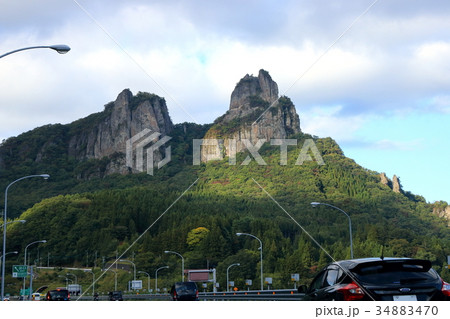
pixel 45 176
pixel 25 260
pixel 67 279
pixel 11 252
pixel 60 48
pixel 76 278
pixel 261 251
pixel 315 204
pixel 93 281
pixel 8 253
pixel 228 280
pixel 17 221
pixel 182 262
pixel 115 278
pixel 148 280
pixel 156 277
pixel 129 261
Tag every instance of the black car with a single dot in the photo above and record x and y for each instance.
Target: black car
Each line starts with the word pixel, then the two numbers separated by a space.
pixel 115 296
pixel 58 295
pixel 184 291
pixel 382 279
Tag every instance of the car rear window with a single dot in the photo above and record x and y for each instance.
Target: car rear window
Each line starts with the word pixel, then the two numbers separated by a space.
pixel 59 293
pixel 395 272
pixel 186 286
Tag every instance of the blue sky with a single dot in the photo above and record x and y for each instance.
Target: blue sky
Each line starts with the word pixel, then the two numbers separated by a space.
pixel 382 91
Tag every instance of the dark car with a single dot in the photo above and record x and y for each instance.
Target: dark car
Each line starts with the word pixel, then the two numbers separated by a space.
pixel 58 295
pixel 382 279
pixel 184 291
pixel 115 296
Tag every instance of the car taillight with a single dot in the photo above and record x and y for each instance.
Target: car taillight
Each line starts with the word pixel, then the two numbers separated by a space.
pixel 196 294
pixel 68 296
pixel 175 294
pixel 352 292
pixel 446 288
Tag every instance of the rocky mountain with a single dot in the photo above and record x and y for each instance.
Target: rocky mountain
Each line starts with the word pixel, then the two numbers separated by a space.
pixel 100 136
pixel 88 215
pixel 256 113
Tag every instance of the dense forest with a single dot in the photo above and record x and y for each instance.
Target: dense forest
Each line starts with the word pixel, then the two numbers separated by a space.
pixel 89 219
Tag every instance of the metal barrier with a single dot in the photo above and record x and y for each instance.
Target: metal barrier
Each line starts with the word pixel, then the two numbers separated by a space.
pixel 281 294
pixel 265 295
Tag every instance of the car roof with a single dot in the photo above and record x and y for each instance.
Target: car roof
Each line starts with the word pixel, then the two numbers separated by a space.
pixel 353 263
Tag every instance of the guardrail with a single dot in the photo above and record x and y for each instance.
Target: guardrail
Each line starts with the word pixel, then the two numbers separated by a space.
pixel 252 295
pixel 281 294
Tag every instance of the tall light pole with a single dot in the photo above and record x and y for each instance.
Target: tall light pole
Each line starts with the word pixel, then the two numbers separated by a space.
pixel 76 278
pixel 17 221
pixel 148 279
pixel 182 261
pixel 156 277
pixel 93 281
pixel 115 278
pixel 25 260
pixel 261 254
pixel 5 214
pixel 228 278
pixel 8 253
pixel 315 204
pixel 66 279
pixel 60 48
pixel 134 266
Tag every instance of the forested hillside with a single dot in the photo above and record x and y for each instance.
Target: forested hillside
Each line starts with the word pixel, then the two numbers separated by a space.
pixel 103 216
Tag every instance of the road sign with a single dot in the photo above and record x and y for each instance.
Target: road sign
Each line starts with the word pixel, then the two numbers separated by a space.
pixel 25 292
pixel 295 277
pixel 136 284
pixel 19 271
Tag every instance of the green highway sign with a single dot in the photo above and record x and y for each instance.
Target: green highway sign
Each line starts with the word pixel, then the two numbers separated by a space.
pixel 19 271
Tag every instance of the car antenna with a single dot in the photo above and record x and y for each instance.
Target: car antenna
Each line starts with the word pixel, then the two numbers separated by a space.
pixel 382 252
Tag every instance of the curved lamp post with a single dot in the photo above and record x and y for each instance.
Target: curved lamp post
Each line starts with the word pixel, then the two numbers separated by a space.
pixel 17 221
pixel 25 260
pixel 66 279
pixel 134 266
pixel 148 279
pixel 93 281
pixel 8 253
pixel 261 251
pixel 115 277
pixel 60 48
pixel 156 277
pixel 5 215
pixel 76 278
pixel 228 280
pixel 182 261
pixel 315 204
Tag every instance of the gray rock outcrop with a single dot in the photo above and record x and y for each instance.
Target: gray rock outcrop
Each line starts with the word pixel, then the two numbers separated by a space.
pixel 256 113
pixel 121 119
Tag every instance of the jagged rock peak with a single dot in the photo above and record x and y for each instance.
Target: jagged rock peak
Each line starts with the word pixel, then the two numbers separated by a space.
pixel 125 117
pixel 393 184
pixel 252 116
pixel 262 86
pixel 396 186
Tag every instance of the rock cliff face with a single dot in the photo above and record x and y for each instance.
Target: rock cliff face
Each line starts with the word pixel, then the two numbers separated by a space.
pixel 255 113
pixel 120 120
pixel 443 212
pixel 394 184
